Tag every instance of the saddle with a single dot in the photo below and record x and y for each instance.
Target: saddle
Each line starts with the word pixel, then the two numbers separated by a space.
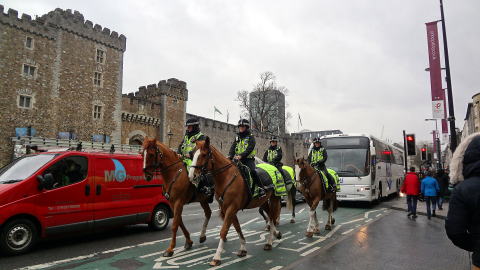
pixel 247 177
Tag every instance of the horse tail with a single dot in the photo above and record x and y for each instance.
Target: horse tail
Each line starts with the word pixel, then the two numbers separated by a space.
pixel 290 198
pixel 262 213
pixel 326 203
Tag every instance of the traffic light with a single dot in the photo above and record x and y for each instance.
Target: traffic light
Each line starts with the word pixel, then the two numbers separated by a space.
pixel 424 153
pixel 411 144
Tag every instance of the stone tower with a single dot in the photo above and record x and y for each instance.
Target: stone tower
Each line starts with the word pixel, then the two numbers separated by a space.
pixel 60 76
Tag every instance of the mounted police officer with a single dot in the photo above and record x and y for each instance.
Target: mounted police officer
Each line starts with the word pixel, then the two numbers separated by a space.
pixel 192 135
pixel 243 150
pixel 273 155
pixel 317 158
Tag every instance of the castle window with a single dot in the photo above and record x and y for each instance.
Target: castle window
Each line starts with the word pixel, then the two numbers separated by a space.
pixel 97 112
pixel 29 43
pixel 100 56
pixel 29 71
pixel 25 102
pixel 97 79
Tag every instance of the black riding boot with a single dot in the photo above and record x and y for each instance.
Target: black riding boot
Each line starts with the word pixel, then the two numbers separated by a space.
pixel 332 186
pixel 250 163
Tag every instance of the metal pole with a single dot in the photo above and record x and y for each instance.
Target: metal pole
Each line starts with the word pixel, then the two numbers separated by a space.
pixel 451 118
pixel 405 151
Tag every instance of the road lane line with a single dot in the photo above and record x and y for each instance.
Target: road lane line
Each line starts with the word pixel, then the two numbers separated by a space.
pixel 369 212
pixel 321 239
pixel 351 221
pixel 276 268
pixel 301 210
pixel 245 224
pixel 347 231
pixel 118 249
pixel 175 251
pixel 310 251
pixel 368 220
pixel 159 266
pixel 180 254
pixel 50 264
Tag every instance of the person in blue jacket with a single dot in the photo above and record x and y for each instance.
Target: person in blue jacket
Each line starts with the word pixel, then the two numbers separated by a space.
pixel 430 191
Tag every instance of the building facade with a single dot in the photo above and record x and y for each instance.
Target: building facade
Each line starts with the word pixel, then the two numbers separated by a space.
pixel 60 77
pixel 155 111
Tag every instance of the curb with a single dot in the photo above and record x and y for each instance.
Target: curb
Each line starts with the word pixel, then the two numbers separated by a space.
pixel 439 216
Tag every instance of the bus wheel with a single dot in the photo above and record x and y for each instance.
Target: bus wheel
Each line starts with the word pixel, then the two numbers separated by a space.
pixel 18 236
pixel 160 218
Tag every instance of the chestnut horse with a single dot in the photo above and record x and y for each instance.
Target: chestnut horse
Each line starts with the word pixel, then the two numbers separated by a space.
pixel 177 189
pixel 231 192
pixel 311 184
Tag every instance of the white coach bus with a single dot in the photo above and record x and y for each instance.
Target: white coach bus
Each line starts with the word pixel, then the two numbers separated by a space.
pixel 369 169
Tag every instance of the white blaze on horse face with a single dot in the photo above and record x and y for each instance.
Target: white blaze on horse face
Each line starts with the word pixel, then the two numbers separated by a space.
pixel 297 172
pixel 191 173
pixel 144 159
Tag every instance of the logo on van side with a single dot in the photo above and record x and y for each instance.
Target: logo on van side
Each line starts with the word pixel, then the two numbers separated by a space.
pixel 119 175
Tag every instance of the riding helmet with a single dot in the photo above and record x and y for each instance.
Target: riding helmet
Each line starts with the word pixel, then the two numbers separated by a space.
pixel 243 122
pixel 192 122
pixel 316 140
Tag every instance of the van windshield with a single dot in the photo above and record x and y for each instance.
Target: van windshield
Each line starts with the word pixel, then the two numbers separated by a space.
pixel 23 167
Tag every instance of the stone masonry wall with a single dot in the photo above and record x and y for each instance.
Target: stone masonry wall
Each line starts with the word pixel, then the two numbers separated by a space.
pixel 62 89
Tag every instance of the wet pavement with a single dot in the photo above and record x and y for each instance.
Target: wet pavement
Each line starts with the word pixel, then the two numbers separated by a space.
pixel 401 204
pixel 392 242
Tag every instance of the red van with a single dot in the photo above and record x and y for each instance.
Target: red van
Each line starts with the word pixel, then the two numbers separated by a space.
pixel 56 193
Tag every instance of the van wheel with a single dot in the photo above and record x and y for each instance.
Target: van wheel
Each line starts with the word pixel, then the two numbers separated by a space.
pixel 160 218
pixel 18 236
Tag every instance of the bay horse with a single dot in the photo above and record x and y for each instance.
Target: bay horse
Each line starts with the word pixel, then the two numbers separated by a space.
pixel 312 186
pixel 231 192
pixel 178 189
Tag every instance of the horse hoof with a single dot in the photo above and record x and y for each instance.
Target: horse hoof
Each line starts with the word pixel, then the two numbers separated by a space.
pixel 242 253
pixel 267 228
pixel 215 263
pixel 203 239
pixel 267 247
pixel 309 234
pixel 188 245
pixel 279 235
pixel 333 221
pixel 167 253
pixel 328 227
pixel 292 220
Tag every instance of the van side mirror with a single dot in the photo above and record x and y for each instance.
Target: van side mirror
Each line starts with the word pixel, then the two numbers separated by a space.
pixel 45 181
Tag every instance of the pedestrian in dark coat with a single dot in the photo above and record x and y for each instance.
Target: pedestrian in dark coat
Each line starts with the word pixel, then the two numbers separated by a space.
pixel 442 179
pixel 463 219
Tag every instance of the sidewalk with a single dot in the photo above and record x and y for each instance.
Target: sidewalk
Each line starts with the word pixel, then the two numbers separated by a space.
pixel 392 242
pixel 400 203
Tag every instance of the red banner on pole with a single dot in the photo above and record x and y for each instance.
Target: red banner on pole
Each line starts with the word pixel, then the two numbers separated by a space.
pixel 438 95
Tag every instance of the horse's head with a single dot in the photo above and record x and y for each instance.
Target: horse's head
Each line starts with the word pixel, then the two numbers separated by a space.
pixel 300 167
pixel 152 156
pixel 202 159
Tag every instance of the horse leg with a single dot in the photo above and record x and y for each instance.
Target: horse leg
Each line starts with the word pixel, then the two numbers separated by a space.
pixel 208 214
pixel 274 213
pixel 177 216
pixel 317 224
pixel 188 241
pixel 227 221
pixel 311 222
pixel 261 210
pixel 329 224
pixel 242 252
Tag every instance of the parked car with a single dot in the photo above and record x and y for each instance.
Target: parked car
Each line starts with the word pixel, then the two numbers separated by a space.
pixel 49 194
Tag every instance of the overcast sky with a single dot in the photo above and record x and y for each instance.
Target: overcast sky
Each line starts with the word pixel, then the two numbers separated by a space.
pixel 353 65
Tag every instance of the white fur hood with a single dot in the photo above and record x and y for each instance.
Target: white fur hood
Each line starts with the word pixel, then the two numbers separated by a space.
pixel 456 164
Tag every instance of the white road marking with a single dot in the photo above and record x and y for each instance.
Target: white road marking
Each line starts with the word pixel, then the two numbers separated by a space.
pixel 368 220
pixel 347 231
pixel 276 268
pixel 232 262
pixel 378 215
pixel 310 251
pixel 50 264
pixel 367 213
pixel 301 210
pixel 246 223
pixel 118 249
pixel 175 261
pixel 352 221
pixel 161 259
pixel 159 266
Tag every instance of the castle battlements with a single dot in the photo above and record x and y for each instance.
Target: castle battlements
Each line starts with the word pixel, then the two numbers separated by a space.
pixel 74 22
pixel 171 87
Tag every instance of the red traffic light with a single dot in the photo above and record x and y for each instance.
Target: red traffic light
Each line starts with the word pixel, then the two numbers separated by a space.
pixel 424 149
pixel 409 138
pixel 386 152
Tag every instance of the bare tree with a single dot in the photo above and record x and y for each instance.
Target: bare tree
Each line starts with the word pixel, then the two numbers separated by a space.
pixel 265 104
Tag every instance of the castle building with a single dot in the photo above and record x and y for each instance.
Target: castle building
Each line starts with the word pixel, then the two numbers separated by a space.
pixel 60 77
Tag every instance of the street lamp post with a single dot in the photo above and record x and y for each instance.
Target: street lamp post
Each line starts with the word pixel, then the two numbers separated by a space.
pixel 451 118
pixel 437 143
pixel 169 134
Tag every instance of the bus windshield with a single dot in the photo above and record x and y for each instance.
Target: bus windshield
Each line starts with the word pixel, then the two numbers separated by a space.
pixel 23 167
pixel 348 162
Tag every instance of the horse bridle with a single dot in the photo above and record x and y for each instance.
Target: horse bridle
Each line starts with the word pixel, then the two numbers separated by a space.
pixel 158 156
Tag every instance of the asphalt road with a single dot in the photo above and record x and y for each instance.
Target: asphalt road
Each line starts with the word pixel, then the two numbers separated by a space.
pixel 136 247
